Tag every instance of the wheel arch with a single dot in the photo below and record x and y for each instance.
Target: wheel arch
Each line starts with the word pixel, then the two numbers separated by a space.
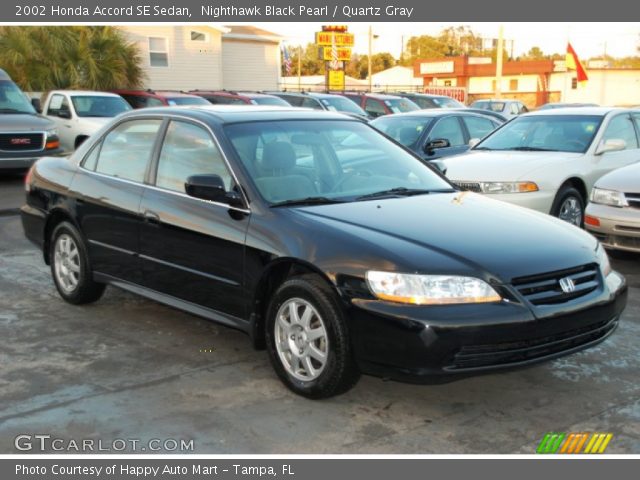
pixel 577 183
pixel 274 275
pixel 55 217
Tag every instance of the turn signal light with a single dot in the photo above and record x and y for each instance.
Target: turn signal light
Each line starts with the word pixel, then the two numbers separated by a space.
pixel 527 187
pixel 593 221
pixel 52 144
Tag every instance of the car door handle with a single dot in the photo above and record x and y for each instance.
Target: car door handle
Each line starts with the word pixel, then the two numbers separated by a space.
pixel 151 217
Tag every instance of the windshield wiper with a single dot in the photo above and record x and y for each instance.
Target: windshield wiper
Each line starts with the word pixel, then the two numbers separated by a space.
pixel 306 201
pixel 12 110
pixel 401 192
pixel 532 149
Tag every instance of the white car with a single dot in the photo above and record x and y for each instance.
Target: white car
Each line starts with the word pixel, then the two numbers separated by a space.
pixel 77 114
pixel 549 160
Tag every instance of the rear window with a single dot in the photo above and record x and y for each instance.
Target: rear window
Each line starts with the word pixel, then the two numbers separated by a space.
pixel 187 101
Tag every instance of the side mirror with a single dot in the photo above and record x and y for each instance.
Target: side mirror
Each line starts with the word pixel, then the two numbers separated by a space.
pixel 64 114
pixel 211 187
pixel 611 145
pixel 473 142
pixel 35 103
pixel 435 144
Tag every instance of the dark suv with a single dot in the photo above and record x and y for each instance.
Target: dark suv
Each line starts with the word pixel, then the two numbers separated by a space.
pixel 229 97
pixel 425 100
pixel 378 104
pixel 158 98
pixel 24 134
pixel 323 101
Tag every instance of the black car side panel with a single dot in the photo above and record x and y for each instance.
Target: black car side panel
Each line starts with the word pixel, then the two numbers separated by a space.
pixel 107 212
pixel 193 249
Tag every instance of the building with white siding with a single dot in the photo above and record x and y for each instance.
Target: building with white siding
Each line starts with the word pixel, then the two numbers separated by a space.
pixel 207 57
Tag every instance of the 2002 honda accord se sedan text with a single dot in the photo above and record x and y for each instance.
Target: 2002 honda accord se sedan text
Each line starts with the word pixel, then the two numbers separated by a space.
pixel 331 245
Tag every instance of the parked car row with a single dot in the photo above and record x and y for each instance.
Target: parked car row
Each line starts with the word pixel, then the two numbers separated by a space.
pixel 333 246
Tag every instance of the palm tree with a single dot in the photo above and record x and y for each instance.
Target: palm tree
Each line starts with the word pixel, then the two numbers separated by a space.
pixel 45 58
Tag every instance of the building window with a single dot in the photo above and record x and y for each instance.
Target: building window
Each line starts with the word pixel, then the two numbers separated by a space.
pixel 447 83
pixel 158 52
pixel 198 36
pixel 574 83
pixel 513 85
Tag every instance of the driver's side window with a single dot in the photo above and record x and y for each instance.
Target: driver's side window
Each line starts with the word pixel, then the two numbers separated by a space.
pixel 189 149
pixel 450 129
pixel 621 127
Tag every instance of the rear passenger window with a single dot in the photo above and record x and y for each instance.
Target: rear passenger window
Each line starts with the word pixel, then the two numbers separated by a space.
pixel 127 149
pixel 374 107
pixel 188 150
pixel 312 103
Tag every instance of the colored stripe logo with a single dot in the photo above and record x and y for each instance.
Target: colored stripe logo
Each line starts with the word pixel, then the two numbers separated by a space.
pixel 585 443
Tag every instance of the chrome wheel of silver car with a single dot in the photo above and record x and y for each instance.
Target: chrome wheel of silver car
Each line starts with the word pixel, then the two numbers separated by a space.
pixel 66 262
pixel 571 211
pixel 301 339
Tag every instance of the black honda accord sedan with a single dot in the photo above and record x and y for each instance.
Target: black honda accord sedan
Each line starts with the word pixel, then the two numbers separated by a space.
pixel 328 243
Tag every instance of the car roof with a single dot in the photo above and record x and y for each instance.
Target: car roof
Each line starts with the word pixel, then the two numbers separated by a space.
pixel 425 95
pixel 4 75
pixel 92 93
pixel 599 111
pixel 255 94
pixel 153 93
pixel 435 112
pixel 241 113
pixel 496 100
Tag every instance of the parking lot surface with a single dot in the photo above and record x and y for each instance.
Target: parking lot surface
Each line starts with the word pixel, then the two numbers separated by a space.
pixel 126 367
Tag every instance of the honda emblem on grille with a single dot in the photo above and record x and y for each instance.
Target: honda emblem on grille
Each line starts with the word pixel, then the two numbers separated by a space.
pixel 567 285
pixel 20 141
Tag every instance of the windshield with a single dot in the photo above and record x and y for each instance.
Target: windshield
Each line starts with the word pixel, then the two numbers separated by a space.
pixel 402 129
pixel 446 102
pixel 98 106
pixel 187 101
pixel 327 160
pixel 270 101
pixel 401 105
pixel 559 133
pixel 493 106
pixel 12 100
pixel 342 104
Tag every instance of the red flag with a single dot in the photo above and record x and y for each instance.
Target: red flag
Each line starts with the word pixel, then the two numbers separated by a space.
pixel 573 63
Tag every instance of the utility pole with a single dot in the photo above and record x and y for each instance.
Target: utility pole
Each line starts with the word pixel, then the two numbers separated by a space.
pixel 499 63
pixel 369 58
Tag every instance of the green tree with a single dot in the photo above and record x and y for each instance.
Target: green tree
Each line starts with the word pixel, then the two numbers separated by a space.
pixel 534 53
pixel 76 57
pixel 359 65
pixel 310 60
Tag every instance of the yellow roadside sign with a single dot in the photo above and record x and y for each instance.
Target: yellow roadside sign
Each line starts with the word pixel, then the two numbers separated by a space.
pixel 336 80
pixel 344 54
pixel 341 39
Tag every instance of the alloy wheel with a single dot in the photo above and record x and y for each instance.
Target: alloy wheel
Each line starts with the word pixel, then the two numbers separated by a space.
pixel 66 261
pixel 571 211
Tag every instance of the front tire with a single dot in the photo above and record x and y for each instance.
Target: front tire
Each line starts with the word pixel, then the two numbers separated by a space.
pixel 308 340
pixel 569 206
pixel 70 267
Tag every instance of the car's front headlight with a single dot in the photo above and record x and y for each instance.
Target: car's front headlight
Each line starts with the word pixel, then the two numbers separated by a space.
pixel 608 197
pixel 430 289
pixel 52 132
pixel 508 187
pixel 603 260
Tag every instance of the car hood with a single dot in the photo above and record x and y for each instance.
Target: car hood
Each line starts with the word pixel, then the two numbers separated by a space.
pixel 462 231
pixel 94 123
pixel 625 179
pixel 24 122
pixel 502 165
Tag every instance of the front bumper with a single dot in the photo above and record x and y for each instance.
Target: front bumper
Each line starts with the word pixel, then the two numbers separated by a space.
pixel 619 227
pixel 436 344
pixel 24 160
pixel 540 201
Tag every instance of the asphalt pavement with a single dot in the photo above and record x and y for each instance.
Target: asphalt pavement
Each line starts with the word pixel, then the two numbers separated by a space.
pixel 129 368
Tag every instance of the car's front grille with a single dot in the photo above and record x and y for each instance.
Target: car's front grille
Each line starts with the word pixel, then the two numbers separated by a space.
pixel 513 353
pixel 546 288
pixel 21 142
pixel 468 186
pixel 633 199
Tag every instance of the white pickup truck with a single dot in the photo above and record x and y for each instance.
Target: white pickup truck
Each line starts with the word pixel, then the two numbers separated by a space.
pixel 77 114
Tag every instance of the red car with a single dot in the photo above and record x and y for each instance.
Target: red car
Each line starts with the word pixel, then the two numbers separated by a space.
pixel 228 97
pixel 159 98
pixel 378 104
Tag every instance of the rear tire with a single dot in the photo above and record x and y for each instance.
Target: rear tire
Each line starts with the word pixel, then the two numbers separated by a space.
pixel 569 206
pixel 70 267
pixel 308 339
